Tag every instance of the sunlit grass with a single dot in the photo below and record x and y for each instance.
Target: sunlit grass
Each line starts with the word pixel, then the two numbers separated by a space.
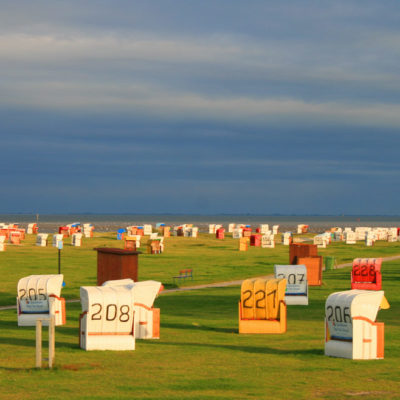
pixel 200 354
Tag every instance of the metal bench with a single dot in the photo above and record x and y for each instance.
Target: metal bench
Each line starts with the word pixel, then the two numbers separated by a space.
pixel 184 274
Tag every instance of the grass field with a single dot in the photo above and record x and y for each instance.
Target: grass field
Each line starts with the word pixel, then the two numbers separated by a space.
pixel 200 355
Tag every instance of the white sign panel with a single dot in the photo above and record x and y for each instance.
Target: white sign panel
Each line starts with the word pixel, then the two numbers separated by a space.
pixel 296 278
pixel 297 284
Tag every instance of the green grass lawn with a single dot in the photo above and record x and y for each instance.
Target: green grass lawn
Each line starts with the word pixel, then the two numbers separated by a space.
pixel 200 354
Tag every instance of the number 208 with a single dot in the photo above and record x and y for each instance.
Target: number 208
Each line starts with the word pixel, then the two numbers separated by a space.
pixel 111 312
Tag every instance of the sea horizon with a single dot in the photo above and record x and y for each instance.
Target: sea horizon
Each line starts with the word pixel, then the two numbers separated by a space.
pixel 113 220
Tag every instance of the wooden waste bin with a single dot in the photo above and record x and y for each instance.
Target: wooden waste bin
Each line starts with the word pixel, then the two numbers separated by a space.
pixel 297 250
pixel 115 264
pixel 314 269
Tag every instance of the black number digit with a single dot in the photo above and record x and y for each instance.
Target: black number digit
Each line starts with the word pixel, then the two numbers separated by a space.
pixel 372 271
pixel 364 270
pixel 247 298
pixel 97 313
pixel 121 310
pixel 41 294
pixel 30 291
pixel 356 270
pixel 338 318
pixel 281 276
pixel 293 276
pixel 260 299
pixel 330 308
pixel 21 296
pixel 108 318
pixel 346 314
pixel 301 280
pixel 274 293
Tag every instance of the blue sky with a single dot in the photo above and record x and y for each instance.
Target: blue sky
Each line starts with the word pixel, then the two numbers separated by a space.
pixel 200 107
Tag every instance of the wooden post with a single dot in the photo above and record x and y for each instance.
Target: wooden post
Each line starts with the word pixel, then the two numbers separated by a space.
pixel 39 343
pixel 51 341
pixel 39 323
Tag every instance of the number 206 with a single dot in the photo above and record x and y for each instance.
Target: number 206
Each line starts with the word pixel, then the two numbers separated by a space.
pixel 338 315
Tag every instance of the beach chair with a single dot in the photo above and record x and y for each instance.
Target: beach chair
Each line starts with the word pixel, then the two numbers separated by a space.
pixel 350 237
pixel 117 313
pixel 3 245
pixel 262 308
pixel 220 233
pixel 121 234
pixel 243 244
pixel 237 233
pixel 147 229
pixel 32 229
pixel 366 274
pixel 351 330
pixel 287 238
pixel 255 240
pixel 147 318
pixel 41 239
pixel 38 296
pixel 268 241
pixel 88 230
pixel 15 237
pixel 107 318
pixel 76 239
pixel 58 240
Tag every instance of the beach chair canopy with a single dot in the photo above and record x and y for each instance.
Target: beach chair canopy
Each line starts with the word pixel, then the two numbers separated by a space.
pixel 33 292
pixel 342 307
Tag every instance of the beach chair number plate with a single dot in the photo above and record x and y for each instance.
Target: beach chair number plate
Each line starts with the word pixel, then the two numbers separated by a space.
pixel 32 302
pixel 110 313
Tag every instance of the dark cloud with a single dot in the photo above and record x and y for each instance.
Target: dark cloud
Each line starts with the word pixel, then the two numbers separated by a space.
pixel 183 106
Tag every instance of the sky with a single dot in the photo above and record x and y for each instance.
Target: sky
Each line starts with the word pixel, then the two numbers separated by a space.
pixel 202 107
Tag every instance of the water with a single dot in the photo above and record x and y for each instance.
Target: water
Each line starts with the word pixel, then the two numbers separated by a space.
pixel 111 222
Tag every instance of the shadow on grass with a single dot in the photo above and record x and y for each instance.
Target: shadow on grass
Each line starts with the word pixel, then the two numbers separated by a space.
pixel 32 342
pixel 70 367
pixel 9 324
pixel 64 330
pixel 197 327
pixel 10 369
pixel 247 349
